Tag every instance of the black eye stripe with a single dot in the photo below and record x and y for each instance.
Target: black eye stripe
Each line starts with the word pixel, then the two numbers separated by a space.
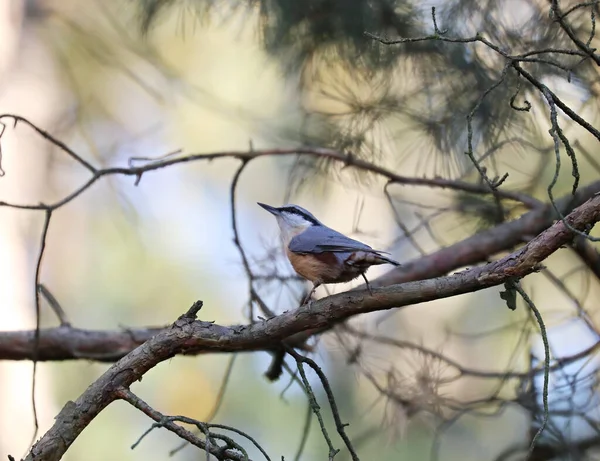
pixel 296 211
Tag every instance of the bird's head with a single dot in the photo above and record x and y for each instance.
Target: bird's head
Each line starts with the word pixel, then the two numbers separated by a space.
pixel 292 219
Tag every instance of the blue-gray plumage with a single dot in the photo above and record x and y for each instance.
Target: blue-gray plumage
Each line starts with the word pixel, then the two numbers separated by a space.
pixel 321 239
pixel 321 254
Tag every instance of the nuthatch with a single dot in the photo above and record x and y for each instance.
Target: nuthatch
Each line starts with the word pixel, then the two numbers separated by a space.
pixel 321 254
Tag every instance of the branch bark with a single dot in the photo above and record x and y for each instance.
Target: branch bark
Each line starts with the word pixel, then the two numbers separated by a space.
pixel 187 335
pixel 481 246
pixel 67 343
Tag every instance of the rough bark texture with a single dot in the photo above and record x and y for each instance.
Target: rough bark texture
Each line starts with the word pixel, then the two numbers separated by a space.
pixel 67 343
pixel 188 335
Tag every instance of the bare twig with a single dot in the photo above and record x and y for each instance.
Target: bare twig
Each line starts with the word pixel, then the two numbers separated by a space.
pixel 465 370
pixel 48 137
pixel 55 305
pixel 36 342
pixel 315 408
pixel 220 453
pixel 560 17
pixel 588 254
pixel 344 158
pixel 300 359
pixel 538 317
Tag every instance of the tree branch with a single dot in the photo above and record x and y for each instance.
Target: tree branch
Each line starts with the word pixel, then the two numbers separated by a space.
pixel 479 247
pixel 346 158
pixel 169 424
pixel 188 335
pixel 67 343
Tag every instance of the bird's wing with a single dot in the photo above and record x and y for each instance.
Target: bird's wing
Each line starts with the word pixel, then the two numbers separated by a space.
pixel 320 239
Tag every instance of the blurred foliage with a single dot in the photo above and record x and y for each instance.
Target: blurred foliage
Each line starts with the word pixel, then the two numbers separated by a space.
pixel 408 103
pixel 299 31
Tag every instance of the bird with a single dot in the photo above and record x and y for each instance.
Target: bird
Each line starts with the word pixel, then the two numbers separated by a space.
pixel 320 254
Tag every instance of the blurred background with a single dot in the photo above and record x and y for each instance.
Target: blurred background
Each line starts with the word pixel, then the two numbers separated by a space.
pixel 142 78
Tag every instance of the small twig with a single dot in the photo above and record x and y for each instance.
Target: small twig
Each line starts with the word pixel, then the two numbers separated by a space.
pixel 458 185
pixel 48 137
pixel 560 17
pixel 293 379
pixel 580 5
pixel 253 154
pixel 275 369
pixel 300 359
pixel 405 230
pixel 36 340
pixel 588 254
pixel 544 335
pixel 192 312
pixel 435 26
pixel 559 103
pixel 526 107
pixel 2 129
pixel 55 305
pixel 254 296
pixel 312 402
pixel 243 434
pixel 156 159
pixel 493 185
pixel 558 136
pixel 570 153
pixel 169 424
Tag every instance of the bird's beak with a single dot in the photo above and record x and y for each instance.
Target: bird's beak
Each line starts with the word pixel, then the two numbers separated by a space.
pixel 270 209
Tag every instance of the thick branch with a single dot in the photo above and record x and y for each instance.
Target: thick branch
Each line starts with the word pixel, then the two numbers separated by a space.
pixel 64 343
pixel 588 254
pixel 481 246
pixel 189 335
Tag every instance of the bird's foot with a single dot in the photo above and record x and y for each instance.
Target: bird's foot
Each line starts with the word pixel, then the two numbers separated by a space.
pixel 307 302
pixel 367 283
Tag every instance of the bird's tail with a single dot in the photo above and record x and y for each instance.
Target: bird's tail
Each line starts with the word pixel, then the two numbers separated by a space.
pixel 385 260
pixel 370 258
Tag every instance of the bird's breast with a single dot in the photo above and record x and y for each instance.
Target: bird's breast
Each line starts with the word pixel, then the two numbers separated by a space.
pixel 326 267
pixel 322 267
